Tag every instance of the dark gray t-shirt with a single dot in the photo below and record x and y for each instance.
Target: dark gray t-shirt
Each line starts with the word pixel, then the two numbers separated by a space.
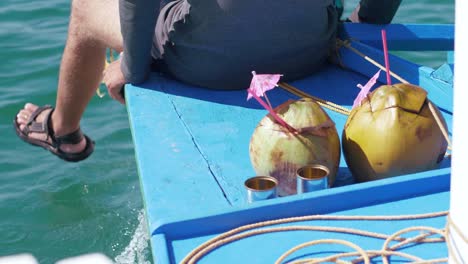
pixel 218 43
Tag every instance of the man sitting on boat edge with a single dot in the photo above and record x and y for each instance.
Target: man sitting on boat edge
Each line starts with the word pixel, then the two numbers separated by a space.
pixel 208 43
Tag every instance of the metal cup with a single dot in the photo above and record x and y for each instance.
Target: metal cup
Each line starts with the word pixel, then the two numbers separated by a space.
pixel 260 188
pixel 312 178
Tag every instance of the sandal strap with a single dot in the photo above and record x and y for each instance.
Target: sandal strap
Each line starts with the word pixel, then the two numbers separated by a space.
pixel 46 128
pixel 40 127
pixel 74 137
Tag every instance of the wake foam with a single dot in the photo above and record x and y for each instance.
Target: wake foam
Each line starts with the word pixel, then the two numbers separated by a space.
pixel 137 251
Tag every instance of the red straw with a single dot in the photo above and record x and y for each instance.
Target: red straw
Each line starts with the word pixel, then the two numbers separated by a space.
pixel 273 113
pixel 387 63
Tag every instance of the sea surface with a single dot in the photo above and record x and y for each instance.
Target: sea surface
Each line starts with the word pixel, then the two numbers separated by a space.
pixel 54 209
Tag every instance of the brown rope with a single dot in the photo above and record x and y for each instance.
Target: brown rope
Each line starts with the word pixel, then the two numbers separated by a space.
pixel 440 124
pixel 406 230
pixel 431 261
pixel 237 237
pixel 325 241
pixel 419 239
pixel 370 253
pixel 347 44
pixel 234 235
pixel 451 224
pixel 321 102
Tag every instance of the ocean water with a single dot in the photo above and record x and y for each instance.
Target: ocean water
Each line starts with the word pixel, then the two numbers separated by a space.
pixel 54 209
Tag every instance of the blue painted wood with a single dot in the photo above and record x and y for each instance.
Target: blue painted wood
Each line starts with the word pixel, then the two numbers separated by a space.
pixel 191 147
pixel 450 58
pixel 168 160
pixel 324 202
pixel 267 248
pixel 438 82
pixel 413 37
pixel 403 68
pixel 161 249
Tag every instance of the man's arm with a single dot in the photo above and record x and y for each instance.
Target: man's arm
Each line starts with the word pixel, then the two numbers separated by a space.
pixel 137 22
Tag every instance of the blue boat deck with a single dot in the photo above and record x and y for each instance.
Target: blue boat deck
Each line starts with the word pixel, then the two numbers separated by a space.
pixel 178 239
pixel 192 152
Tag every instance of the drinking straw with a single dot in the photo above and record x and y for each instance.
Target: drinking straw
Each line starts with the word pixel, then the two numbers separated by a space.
pixel 387 63
pixel 273 113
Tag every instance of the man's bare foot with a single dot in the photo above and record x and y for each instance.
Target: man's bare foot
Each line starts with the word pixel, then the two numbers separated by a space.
pixel 23 116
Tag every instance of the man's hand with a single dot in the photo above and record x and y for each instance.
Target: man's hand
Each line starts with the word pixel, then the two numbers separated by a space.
pixel 354 17
pixel 114 80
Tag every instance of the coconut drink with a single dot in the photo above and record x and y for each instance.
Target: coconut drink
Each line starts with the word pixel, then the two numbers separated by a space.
pixel 278 152
pixel 393 132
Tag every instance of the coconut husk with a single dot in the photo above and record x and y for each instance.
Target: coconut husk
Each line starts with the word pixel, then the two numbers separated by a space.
pixel 392 132
pixel 277 152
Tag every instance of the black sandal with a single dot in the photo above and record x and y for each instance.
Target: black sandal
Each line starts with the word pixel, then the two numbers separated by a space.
pixel 54 147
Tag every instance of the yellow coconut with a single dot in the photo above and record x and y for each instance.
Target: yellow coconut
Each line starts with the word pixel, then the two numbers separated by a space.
pixel 392 132
pixel 279 153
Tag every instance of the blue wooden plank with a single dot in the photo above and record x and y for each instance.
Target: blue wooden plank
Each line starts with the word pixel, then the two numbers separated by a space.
pixel 266 248
pixel 438 83
pixel 160 249
pixel 412 37
pixel 358 63
pixel 221 131
pixel 450 58
pixel 173 172
pixel 324 202
pixel 222 122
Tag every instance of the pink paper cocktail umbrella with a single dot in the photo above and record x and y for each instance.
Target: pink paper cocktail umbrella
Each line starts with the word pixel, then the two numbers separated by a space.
pixel 365 89
pixel 260 84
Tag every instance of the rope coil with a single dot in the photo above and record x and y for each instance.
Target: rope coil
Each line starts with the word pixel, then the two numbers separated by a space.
pixel 251 230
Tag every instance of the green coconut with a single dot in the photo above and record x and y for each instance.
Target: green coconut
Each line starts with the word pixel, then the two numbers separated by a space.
pixel 279 153
pixel 393 132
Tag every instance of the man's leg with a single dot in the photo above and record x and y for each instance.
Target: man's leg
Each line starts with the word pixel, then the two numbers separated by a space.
pixel 94 25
